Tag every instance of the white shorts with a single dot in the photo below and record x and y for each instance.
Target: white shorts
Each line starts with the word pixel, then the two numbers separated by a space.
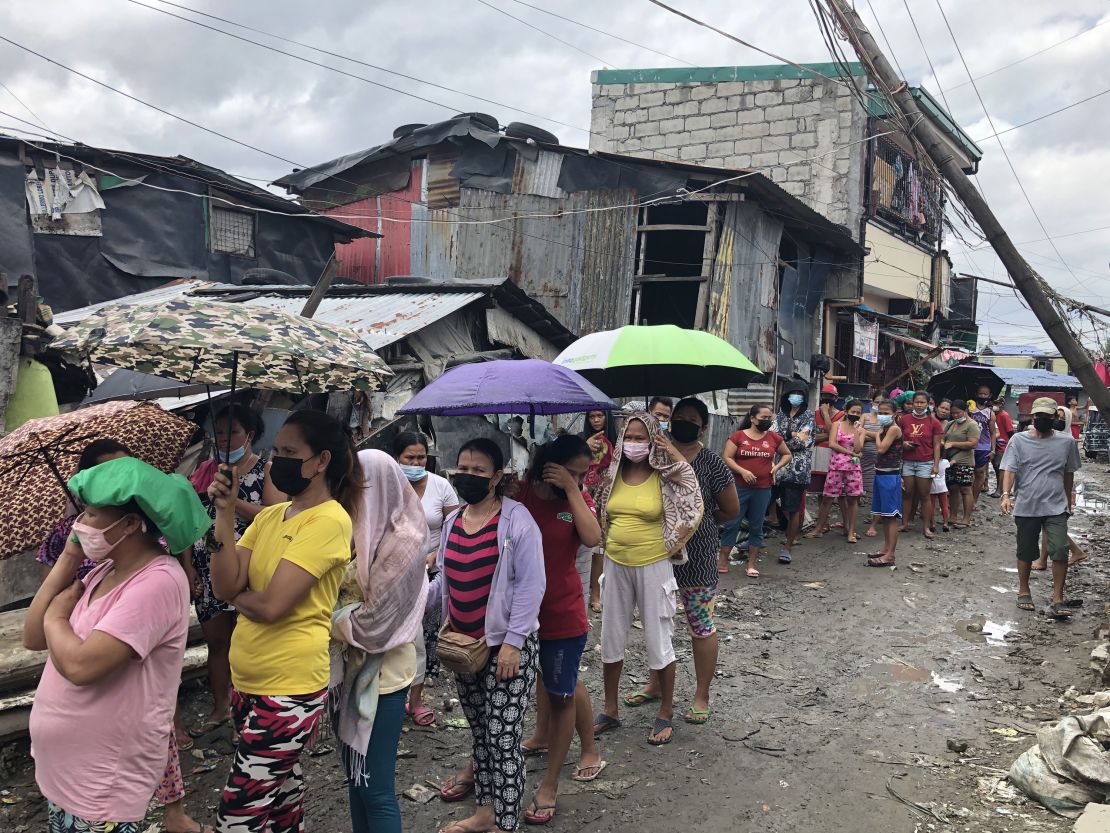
pixel 654 592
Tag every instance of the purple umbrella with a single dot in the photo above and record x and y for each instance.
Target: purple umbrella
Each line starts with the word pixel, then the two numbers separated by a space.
pixel 507 386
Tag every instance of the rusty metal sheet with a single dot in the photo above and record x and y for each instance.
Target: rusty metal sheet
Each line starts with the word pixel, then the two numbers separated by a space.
pixel 744 291
pixel 442 189
pixel 539 177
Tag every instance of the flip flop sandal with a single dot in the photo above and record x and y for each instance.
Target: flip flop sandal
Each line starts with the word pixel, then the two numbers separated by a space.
pixel 698 717
pixel 853 538
pixel 606 724
pixel 1060 612
pixel 878 562
pixel 448 791
pixel 751 572
pixel 421 715
pixel 185 747
pixel 1026 603
pixel 202 729
pixel 533 751
pixel 635 699
pixel 660 725
pixel 785 557
pixel 578 770
pixel 539 816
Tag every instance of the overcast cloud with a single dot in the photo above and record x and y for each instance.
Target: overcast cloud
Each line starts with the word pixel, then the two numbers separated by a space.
pixel 308 114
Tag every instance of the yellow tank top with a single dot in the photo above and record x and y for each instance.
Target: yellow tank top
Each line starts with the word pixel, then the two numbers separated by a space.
pixel 635 536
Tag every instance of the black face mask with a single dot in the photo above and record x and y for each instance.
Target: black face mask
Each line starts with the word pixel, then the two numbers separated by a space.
pixel 764 424
pixel 853 418
pixel 1059 425
pixel 472 488
pixel 1044 424
pixel 285 474
pixel 984 400
pixel 683 431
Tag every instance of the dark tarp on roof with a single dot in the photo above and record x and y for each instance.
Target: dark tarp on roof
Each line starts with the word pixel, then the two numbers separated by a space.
pixel 151 236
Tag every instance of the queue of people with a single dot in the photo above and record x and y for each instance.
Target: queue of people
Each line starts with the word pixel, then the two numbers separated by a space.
pixel 332 584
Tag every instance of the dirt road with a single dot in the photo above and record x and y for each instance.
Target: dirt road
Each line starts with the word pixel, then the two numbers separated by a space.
pixel 839 689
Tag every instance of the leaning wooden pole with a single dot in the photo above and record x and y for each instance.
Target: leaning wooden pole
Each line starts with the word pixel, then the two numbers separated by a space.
pixel 1021 273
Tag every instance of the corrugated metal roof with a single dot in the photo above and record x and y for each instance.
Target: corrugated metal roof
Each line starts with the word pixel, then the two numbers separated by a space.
pixel 155 296
pixel 381 319
pixel 1013 350
pixel 1029 377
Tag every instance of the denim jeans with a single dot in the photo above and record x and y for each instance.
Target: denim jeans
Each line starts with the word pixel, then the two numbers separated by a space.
pixel 374 807
pixel 753 506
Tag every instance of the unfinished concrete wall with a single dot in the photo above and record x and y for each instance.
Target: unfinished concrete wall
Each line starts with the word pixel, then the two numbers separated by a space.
pixel 803 131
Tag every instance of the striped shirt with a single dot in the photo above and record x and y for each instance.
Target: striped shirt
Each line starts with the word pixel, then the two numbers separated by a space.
pixel 468 565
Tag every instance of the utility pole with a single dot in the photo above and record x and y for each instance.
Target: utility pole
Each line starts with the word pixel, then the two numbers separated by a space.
pixel 1023 276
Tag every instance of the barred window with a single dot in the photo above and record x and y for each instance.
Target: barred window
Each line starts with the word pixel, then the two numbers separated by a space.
pixel 231 231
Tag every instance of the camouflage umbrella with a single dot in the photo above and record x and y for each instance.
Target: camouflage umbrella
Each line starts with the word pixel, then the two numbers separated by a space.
pixel 37 458
pixel 198 341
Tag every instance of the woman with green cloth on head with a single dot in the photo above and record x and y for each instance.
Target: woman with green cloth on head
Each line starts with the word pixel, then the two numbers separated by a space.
pixel 103 712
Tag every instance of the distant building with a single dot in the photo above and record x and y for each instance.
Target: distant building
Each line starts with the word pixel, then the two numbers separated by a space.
pixel 823 135
pixel 1023 356
pixel 92 225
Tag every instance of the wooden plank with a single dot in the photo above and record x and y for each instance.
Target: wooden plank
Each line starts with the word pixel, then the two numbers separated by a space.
pixel 21 669
pixel 672 227
pixel 15 709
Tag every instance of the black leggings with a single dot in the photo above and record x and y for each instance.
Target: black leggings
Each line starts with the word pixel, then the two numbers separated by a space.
pixel 495 709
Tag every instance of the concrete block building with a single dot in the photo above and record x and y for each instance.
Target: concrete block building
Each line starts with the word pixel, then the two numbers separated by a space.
pixel 824 135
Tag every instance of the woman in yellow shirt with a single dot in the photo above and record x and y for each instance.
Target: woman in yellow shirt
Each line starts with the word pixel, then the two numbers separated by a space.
pixel 283 578
pixel 651 505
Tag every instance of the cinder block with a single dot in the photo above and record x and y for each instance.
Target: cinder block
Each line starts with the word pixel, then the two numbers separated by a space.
pixel 647 128
pixel 660 112
pixel 767 99
pixel 672 125
pixel 751 116
pixel 782 111
pixel 702 92
pixel 714 105
pixel 726 119
pixel 677 95
pixel 628 102
pixel 654 142
pixel 651 99
pixel 803 140
pixel 692 152
pixel 765 160
pixel 696 122
pixel 784 127
pixel 721 149
pixel 726 88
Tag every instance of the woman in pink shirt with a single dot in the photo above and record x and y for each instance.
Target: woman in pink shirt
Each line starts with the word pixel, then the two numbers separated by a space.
pixel 103 711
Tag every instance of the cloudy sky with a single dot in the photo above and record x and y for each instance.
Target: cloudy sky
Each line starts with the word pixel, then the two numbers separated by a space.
pixel 305 114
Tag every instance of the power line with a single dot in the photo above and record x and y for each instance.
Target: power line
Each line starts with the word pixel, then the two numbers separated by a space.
pixel 602 32
pixel 882 32
pixel 25 105
pixel 138 100
pixel 932 69
pixel 1045 116
pixel 544 32
pixel 1032 55
pixel 342 57
pixel 1002 147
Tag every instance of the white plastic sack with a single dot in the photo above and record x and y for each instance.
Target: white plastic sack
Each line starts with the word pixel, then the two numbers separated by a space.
pixel 1068 768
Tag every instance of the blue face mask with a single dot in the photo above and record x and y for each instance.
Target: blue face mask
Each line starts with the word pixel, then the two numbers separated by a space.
pixel 234 457
pixel 415 473
pixel 664 425
pixel 886 419
pixel 795 399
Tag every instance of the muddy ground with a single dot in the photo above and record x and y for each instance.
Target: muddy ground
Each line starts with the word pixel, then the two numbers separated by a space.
pixel 838 690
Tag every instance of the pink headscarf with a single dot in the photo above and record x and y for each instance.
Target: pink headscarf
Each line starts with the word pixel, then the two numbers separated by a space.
pixel 391 542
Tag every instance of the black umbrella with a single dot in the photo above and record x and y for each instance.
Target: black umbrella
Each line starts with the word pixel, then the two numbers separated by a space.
pixel 963 382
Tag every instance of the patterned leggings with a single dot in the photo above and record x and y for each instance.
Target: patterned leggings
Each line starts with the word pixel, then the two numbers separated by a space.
pixel 495 710
pixel 265 790
pixel 172 787
pixel 59 821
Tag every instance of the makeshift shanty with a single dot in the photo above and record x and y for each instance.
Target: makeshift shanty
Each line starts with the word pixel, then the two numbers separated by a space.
pixel 637 361
pixel 38 457
pixel 526 387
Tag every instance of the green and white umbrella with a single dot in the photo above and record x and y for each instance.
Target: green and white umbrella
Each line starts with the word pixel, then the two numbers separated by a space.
pixel 639 360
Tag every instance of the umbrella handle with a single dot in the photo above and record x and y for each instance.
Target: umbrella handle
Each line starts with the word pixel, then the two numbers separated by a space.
pixel 231 399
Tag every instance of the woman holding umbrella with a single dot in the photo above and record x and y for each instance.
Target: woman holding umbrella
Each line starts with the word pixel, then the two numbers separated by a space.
pixel 283 577
pixel 438 499
pixel 490 584
pixel 651 506
pixel 237 427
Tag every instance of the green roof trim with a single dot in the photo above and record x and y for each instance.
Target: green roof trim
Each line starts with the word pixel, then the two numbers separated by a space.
pixel 702 75
pixel 881 110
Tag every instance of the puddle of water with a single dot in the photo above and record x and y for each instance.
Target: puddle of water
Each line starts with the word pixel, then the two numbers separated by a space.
pixel 945 684
pixel 1088 501
pixel 903 673
pixel 1008 569
pixel 998 589
pixel 982 630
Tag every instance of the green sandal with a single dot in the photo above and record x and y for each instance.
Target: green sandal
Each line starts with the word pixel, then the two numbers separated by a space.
pixel 634 699
pixel 698 717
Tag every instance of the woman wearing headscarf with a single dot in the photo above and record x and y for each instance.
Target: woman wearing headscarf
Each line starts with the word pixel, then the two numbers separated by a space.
pixel 103 712
pixel 651 505
pixel 373 651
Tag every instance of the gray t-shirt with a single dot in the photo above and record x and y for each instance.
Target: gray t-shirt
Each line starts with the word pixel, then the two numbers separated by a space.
pixel 1039 465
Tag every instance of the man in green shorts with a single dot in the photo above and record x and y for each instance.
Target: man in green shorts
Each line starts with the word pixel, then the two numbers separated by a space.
pixel 1038 473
